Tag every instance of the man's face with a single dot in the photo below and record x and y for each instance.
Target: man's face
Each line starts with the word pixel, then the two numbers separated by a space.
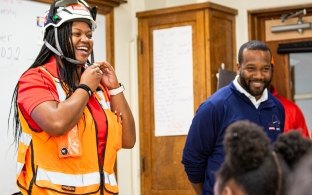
pixel 255 72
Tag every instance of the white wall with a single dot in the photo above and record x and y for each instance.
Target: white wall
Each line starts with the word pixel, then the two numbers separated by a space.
pixel 126 63
pixel 126 67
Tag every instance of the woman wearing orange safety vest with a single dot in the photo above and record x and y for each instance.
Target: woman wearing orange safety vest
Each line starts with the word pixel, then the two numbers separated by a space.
pixel 71 116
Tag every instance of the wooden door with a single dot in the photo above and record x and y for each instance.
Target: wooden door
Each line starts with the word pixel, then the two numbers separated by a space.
pixel 162 172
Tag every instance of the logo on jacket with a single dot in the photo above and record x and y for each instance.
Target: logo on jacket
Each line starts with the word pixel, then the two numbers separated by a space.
pixel 275 125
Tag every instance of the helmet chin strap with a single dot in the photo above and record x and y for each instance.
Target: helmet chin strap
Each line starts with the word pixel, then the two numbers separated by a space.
pixel 59 52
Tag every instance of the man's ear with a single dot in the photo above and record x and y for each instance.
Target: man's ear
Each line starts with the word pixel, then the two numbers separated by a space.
pixel 238 67
pixel 227 191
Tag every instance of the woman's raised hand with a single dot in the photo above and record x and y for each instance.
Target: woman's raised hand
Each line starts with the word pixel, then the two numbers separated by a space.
pixel 92 76
pixel 109 78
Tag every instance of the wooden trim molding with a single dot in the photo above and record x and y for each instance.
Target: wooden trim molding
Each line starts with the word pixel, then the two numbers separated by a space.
pixel 187 8
pixel 110 43
pixel 104 6
pixel 256 17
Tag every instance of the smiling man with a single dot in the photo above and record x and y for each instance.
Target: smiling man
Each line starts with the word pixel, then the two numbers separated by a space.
pixel 246 98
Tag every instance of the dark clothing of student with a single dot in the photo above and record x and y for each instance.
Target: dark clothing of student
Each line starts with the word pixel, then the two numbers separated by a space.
pixel 203 153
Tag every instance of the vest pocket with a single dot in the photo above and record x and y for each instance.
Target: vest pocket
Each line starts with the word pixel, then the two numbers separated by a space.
pixel 114 136
pixel 69 144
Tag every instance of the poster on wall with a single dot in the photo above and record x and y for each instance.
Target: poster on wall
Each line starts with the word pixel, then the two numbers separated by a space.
pixel 173 80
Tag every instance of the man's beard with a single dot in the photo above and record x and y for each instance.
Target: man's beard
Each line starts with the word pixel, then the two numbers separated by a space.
pixel 246 84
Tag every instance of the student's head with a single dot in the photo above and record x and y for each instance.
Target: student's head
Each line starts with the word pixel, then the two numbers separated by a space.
pixel 249 167
pixel 291 147
pixel 254 67
pixel 299 182
pixel 68 30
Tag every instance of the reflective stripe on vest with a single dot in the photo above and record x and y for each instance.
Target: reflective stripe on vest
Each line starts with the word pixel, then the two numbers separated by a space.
pixel 60 90
pixel 25 138
pixel 105 104
pixel 110 179
pixel 24 142
pixel 78 180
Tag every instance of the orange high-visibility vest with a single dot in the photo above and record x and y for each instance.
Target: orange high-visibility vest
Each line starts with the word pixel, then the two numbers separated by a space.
pixel 69 164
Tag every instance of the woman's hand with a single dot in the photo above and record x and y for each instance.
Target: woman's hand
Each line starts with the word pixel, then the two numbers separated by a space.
pixel 92 76
pixel 109 78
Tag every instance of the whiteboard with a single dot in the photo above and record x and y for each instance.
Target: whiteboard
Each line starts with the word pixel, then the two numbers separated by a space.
pixel 20 41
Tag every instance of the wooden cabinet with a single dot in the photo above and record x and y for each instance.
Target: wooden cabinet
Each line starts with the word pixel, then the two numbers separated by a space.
pixel 213 43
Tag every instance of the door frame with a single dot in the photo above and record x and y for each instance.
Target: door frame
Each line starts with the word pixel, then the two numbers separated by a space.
pixel 282 75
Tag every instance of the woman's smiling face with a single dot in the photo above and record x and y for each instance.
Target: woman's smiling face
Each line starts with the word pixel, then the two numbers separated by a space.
pixel 82 40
